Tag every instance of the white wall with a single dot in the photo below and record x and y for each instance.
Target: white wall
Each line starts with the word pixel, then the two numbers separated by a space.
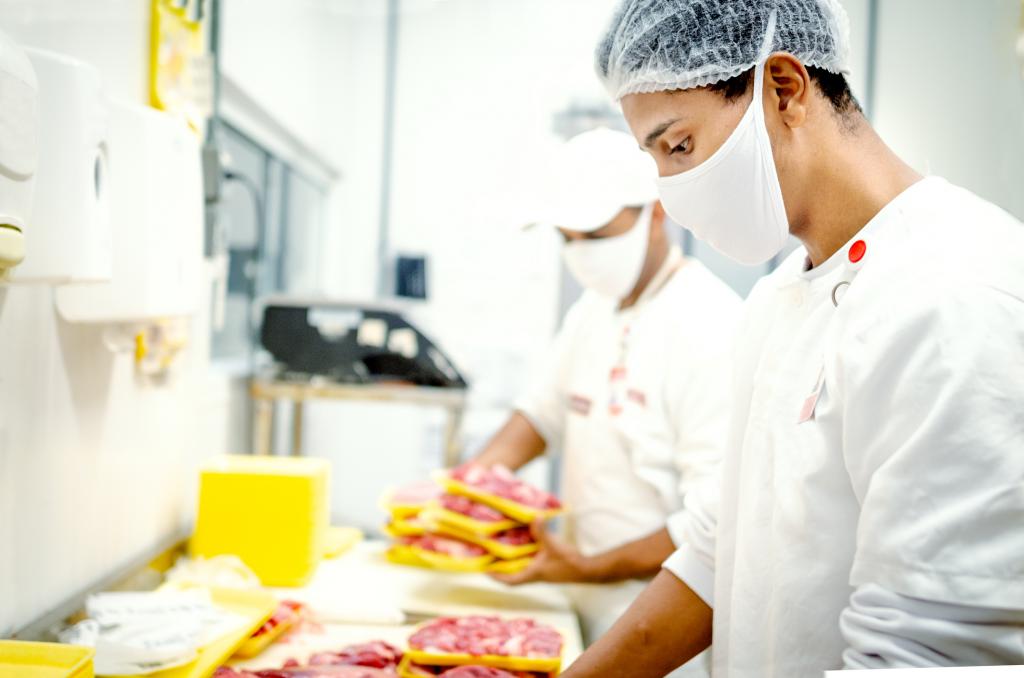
pixel 96 468
pixel 950 98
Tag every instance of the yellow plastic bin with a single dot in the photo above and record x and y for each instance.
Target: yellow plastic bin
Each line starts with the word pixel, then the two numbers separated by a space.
pixel 19 659
pixel 272 512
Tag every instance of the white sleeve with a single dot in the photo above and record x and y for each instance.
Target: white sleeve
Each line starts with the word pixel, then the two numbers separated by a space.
pixel 887 630
pixel 700 403
pixel 545 402
pixel 694 561
pixel 933 410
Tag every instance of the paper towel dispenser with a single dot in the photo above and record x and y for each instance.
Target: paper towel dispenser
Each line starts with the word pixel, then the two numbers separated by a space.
pixel 68 238
pixel 156 210
pixel 18 150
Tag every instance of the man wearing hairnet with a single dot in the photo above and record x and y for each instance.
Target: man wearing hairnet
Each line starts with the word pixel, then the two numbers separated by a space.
pixel 871 510
pixel 635 393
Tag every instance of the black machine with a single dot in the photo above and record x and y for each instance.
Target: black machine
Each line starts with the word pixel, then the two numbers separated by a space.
pixel 352 343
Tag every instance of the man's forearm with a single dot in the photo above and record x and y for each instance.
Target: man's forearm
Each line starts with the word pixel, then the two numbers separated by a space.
pixel 636 560
pixel 514 446
pixel 665 627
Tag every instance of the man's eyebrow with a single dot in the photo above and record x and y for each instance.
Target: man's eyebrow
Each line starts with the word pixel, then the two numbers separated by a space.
pixel 658 131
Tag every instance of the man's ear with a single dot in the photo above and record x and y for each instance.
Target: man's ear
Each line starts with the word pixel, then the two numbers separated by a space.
pixel 789 88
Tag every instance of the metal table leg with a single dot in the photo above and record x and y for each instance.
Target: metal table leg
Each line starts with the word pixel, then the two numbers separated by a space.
pixel 452 449
pixel 263 425
pixel 297 412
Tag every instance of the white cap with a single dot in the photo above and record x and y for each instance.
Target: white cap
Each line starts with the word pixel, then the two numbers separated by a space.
pixel 592 177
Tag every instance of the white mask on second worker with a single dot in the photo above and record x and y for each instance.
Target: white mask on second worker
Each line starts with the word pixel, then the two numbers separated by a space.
pixel 611 266
pixel 733 200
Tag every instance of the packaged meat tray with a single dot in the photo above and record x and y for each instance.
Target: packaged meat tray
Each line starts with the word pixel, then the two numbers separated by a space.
pixel 512 644
pixel 287 614
pixel 468 515
pixel 508 545
pixel 500 489
pixel 376 659
pixel 407 501
pixel 440 553
pixel 406 527
pixel 308 672
pixel 409 669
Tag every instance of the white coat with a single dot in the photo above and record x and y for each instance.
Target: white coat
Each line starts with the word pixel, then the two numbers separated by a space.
pixel 887 528
pixel 635 442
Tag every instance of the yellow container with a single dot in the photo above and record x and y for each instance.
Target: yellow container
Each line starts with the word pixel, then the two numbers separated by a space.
pixel 20 659
pixel 272 512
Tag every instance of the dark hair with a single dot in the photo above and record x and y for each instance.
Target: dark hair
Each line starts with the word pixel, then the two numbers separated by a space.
pixel 833 86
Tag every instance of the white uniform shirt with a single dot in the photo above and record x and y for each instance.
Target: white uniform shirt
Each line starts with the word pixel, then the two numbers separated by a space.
pixel 634 444
pixel 899 506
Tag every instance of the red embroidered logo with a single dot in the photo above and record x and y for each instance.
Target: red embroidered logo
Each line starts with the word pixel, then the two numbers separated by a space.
pixel 579 404
pixel 637 397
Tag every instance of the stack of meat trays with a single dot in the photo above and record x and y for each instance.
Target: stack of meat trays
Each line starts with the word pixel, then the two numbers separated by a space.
pixel 483 647
pixel 493 509
pixel 415 545
pixel 478 520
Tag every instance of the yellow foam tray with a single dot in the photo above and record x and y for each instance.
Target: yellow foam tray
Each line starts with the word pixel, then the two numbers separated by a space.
pixel 403 528
pixel 21 659
pixel 256 644
pixel 401 554
pixel 512 509
pixel 509 566
pixel 539 664
pixel 340 540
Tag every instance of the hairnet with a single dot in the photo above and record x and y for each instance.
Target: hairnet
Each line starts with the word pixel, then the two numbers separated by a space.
pixel 656 45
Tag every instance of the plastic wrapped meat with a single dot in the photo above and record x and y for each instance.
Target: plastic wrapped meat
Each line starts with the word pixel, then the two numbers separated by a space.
pixel 376 654
pixel 308 672
pixel 484 672
pixel 375 659
pixel 415 494
pixel 501 482
pixel 482 635
pixel 470 508
pixel 449 546
pixel 517 536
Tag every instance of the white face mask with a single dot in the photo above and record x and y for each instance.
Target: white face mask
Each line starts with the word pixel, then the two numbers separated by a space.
pixel 733 200
pixel 611 266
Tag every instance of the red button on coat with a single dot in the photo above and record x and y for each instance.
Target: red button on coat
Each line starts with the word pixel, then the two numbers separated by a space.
pixel 857 251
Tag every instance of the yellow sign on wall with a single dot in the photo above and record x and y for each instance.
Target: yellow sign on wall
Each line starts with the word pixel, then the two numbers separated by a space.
pixel 180 67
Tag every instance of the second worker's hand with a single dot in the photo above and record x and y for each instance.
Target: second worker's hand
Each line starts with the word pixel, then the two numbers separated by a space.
pixel 557 561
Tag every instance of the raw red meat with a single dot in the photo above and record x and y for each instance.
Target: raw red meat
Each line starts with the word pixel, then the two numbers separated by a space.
pixel 449 546
pixel 415 494
pixel 481 635
pixel 375 659
pixel 484 672
pixel 311 672
pixel 376 654
pixel 498 480
pixel 473 509
pixel 517 536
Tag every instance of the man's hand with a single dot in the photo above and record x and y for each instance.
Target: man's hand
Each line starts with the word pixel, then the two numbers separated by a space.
pixel 557 561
